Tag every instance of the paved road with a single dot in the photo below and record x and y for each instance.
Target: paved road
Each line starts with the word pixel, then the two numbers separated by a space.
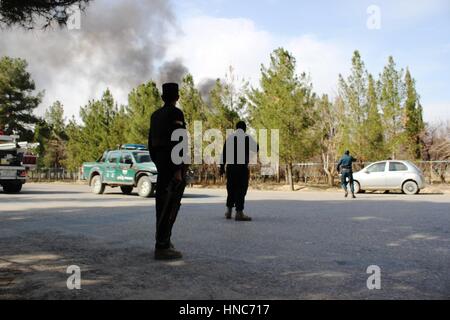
pixel 303 245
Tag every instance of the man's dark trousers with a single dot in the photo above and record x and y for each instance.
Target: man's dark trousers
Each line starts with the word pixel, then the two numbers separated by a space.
pixel 237 186
pixel 346 173
pixel 166 173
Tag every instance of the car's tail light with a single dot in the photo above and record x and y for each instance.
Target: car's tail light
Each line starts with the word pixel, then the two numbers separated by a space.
pixel 22 173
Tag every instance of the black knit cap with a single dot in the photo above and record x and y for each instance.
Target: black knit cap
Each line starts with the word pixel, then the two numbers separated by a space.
pixel 170 91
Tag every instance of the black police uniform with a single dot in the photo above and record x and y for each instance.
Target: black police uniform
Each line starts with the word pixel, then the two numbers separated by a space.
pixel 163 123
pixel 237 171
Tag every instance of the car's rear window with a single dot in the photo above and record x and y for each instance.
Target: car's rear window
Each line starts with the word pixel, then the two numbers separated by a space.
pixel 377 167
pixel 113 157
pixel 397 166
pixel 142 157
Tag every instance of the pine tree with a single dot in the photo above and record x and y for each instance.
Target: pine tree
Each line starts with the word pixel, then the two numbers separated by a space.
pixel 17 98
pixel 42 133
pixel 191 102
pixel 96 134
pixel 286 102
pixel 353 92
pixel 222 115
pixel 414 125
pixel 374 128
pixel 75 147
pixel 392 96
pixel 55 145
pixel 142 102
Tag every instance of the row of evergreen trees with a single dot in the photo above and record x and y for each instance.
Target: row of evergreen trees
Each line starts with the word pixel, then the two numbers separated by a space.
pixel 374 117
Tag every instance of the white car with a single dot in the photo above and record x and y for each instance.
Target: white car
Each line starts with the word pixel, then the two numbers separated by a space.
pixel 390 175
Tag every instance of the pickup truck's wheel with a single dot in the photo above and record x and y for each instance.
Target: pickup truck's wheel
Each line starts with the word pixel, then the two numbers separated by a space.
pixel 97 186
pixel 144 187
pixel 12 187
pixel 126 189
pixel 410 188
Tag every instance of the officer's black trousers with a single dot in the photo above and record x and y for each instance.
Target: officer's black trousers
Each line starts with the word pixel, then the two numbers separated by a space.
pixel 237 186
pixel 164 225
pixel 347 174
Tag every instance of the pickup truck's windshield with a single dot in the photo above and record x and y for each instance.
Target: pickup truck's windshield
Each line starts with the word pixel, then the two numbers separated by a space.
pixel 142 157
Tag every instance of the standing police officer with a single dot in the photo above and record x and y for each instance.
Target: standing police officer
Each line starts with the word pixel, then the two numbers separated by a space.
pixel 345 167
pixel 236 157
pixel 171 177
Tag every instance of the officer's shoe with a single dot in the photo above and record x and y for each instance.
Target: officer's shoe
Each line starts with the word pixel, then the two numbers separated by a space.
pixel 167 254
pixel 240 216
pixel 353 196
pixel 228 213
pixel 346 193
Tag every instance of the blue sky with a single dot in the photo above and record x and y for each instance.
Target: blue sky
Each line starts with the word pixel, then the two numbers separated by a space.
pixel 416 33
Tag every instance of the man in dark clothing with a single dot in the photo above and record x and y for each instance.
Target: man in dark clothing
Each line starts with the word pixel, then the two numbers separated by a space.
pixel 236 157
pixel 345 167
pixel 171 177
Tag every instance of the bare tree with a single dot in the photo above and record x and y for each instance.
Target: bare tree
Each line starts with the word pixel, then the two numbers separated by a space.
pixel 436 141
pixel 329 126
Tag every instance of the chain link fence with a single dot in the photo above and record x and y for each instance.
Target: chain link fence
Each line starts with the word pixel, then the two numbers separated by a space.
pixel 303 173
pixel 313 173
pixel 53 175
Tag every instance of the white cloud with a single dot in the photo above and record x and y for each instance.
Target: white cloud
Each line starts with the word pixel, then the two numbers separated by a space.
pixel 208 46
pixel 323 60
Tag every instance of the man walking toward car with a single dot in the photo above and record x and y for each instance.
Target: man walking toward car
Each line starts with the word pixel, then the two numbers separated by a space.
pixel 345 167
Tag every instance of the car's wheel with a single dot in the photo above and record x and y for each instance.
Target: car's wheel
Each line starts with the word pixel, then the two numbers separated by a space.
pixel 410 188
pixel 357 187
pixel 126 189
pixel 97 186
pixel 12 187
pixel 144 187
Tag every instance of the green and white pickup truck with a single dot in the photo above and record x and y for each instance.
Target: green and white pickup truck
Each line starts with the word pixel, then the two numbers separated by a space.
pixel 127 168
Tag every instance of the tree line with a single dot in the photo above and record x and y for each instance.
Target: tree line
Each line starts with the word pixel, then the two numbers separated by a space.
pixel 375 116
